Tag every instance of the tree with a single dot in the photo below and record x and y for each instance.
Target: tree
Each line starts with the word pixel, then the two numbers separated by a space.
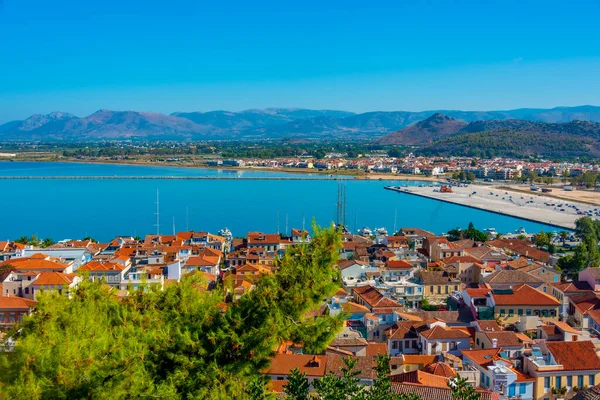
pixel 470 176
pixel 564 235
pixel 541 239
pixel 427 306
pixel 297 387
pixel 394 152
pixel 173 343
pixel 382 387
pixel 47 242
pixel 333 387
pixel 461 390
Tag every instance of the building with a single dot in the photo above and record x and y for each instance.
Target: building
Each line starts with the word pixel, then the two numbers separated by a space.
pixel 13 309
pixel 562 366
pixel 112 273
pixel 437 285
pixel 523 300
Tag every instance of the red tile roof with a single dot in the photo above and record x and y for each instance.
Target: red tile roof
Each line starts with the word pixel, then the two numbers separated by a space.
pixel 525 295
pixel 575 356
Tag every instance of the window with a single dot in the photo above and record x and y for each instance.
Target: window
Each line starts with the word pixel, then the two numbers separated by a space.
pixel 522 388
pixel 431 289
pixel 394 345
pixel 547 383
pixel 12 317
pixel 511 312
pixel 26 290
pixel 2 318
pixel 528 311
pixel 520 311
pixel 512 390
pixel 580 381
pixel 592 380
pixel 502 312
pixel 569 381
pixel 559 382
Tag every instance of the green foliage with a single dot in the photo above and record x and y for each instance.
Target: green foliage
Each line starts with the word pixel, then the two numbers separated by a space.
pixel 394 152
pixel 586 254
pixel 176 343
pixel 297 387
pixel 427 306
pixel 461 390
pixel 469 233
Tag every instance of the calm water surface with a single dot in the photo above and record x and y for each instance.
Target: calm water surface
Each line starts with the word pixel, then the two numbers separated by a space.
pixel 106 208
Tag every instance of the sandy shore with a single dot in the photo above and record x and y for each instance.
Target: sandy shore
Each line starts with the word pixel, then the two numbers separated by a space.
pixel 514 204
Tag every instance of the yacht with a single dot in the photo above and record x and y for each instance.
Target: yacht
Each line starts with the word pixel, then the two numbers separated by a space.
pixel 365 232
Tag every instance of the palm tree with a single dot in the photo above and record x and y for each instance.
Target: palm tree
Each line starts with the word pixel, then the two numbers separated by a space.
pixel 563 236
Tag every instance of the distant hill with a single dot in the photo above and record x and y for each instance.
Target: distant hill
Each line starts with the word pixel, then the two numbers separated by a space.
pixel 520 138
pixel 436 127
pixel 277 123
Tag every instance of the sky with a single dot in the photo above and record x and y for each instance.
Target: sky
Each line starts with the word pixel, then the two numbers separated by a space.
pixel 183 55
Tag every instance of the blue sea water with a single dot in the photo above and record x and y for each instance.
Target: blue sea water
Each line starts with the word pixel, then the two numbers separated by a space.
pixel 73 208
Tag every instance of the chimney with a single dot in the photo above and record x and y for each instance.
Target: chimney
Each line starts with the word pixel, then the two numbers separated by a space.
pixel 495 343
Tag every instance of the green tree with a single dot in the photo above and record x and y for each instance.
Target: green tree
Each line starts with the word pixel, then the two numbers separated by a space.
pixel 471 176
pixel 394 152
pixel 173 343
pixel 333 387
pixel 297 387
pixel 564 235
pixel 461 390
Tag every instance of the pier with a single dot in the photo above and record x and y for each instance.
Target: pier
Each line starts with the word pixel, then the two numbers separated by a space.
pixel 467 197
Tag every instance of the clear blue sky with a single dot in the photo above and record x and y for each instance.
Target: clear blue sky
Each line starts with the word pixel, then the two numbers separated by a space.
pixel 80 56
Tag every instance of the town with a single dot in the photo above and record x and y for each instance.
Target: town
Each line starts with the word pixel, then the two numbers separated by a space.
pixel 503 313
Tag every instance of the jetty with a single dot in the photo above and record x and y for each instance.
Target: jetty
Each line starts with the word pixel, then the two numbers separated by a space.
pixel 478 197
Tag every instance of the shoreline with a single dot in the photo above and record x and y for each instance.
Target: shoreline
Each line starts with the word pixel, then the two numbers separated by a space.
pixel 505 211
pixel 339 174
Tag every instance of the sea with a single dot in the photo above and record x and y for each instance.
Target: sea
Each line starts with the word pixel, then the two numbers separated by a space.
pixel 105 208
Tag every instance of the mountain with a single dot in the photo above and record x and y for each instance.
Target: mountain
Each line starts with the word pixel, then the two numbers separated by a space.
pixel 277 123
pixel 436 127
pixel 103 124
pixel 516 138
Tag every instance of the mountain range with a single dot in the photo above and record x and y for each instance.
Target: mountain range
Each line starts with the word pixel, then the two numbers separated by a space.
pixel 276 123
pixel 446 136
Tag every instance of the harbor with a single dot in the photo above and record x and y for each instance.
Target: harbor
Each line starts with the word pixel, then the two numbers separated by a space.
pixel 532 207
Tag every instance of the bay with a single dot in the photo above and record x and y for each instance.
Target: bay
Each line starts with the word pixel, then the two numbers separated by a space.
pixel 105 208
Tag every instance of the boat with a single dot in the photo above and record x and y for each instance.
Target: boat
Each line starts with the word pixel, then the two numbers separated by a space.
pixel 381 232
pixel 521 231
pixel 365 232
pixel 490 231
pixel 226 233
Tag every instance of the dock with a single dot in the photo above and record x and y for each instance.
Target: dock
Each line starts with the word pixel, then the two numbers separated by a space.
pixel 464 197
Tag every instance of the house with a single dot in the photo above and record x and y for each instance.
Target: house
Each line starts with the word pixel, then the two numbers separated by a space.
pixel 580 306
pixel 497 373
pixel 374 300
pixel 354 271
pixel 467 268
pixel 562 366
pixel 300 236
pixel 591 275
pixel 426 392
pixel 55 282
pixel 522 248
pixel 555 331
pixel 112 273
pixel 506 279
pixel 562 291
pixel 13 309
pixel 523 300
pixel 439 338
pixel 208 260
pixel 38 263
pixel 403 337
pixel 510 342
pixel 437 285
pixel 271 242
pixel 439 247
pixel 76 255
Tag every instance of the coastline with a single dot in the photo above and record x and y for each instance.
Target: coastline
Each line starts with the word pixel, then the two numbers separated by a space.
pixel 348 174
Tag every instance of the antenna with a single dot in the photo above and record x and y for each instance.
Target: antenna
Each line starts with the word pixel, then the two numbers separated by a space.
pixel 157 214
pixel 303 221
pixel 173 225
